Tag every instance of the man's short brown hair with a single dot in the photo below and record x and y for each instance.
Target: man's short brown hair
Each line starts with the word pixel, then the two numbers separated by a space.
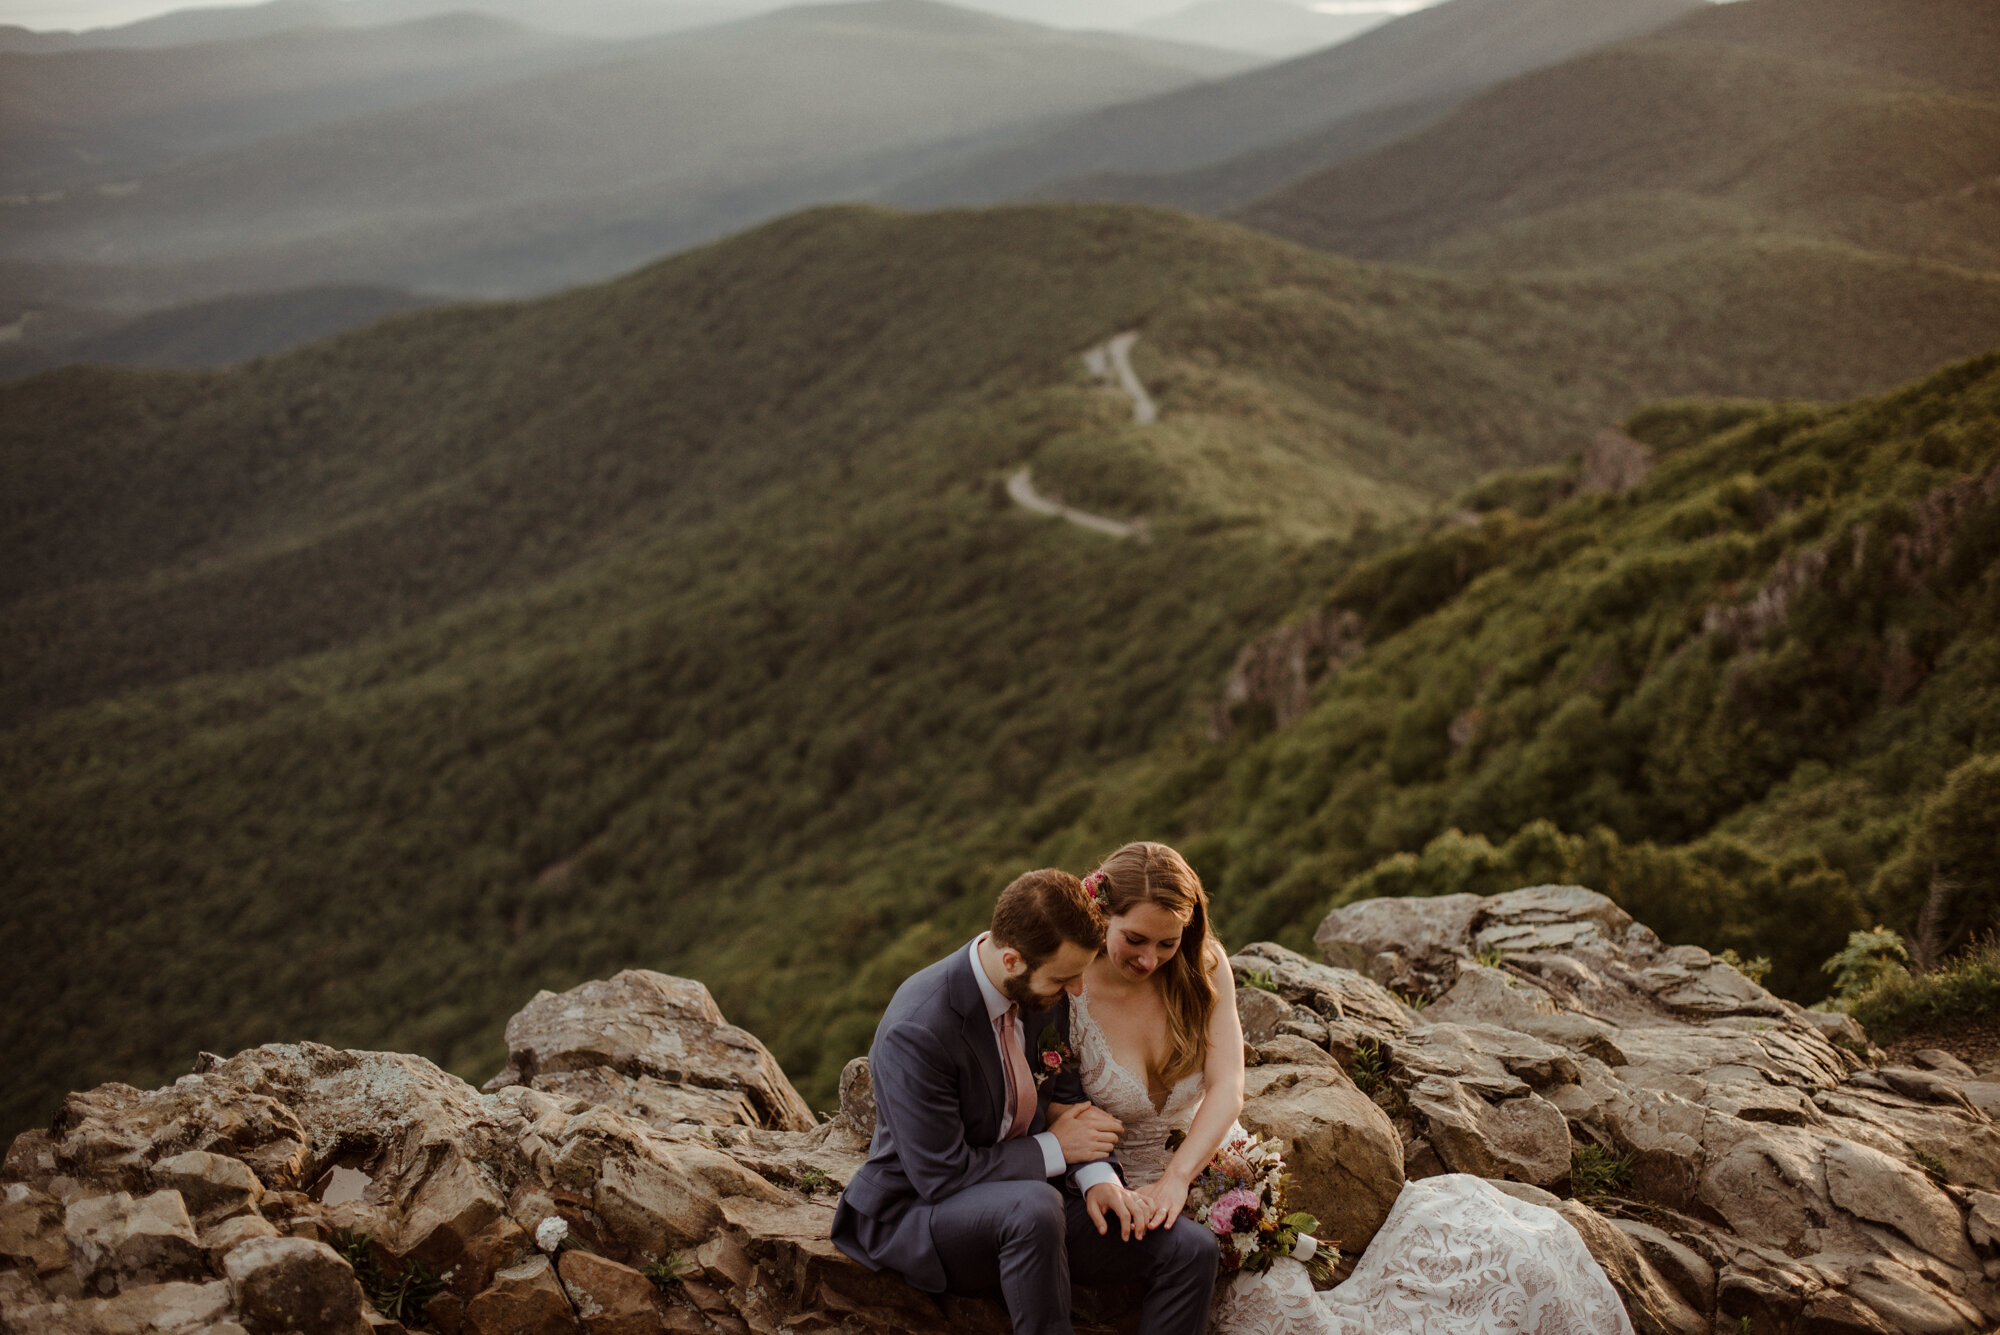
pixel 1040 910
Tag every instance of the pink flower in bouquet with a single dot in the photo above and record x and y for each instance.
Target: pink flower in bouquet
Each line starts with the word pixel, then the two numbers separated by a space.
pixel 1222 1214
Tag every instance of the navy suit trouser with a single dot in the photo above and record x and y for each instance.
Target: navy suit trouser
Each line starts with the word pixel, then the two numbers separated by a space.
pixel 1027 1241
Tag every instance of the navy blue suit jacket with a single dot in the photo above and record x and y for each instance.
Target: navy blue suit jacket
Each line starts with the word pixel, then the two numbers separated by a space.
pixel 939 1100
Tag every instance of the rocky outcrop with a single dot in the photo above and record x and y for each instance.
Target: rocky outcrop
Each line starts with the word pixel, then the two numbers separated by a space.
pixel 1276 671
pixel 654 1047
pixel 644 1167
pixel 1613 462
pixel 1753 1162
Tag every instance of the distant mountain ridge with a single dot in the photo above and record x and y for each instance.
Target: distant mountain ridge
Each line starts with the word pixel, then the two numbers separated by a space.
pixel 520 187
pixel 209 333
pixel 223 23
pixel 1813 119
pixel 1273 28
pixel 1444 51
pixel 91 116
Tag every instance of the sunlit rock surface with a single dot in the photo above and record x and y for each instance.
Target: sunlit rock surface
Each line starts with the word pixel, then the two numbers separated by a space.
pixel 642 1166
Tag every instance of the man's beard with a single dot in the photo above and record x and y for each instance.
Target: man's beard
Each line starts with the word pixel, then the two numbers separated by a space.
pixel 1017 990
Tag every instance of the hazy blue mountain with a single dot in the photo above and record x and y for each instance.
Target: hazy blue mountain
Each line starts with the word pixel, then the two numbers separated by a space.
pixel 1109 15
pixel 1272 28
pixel 1450 49
pixel 1222 186
pixel 96 116
pixel 579 174
pixel 183 27
pixel 223 23
pixel 208 333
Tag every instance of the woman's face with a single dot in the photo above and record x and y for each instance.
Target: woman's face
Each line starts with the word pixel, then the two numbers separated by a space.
pixel 1140 940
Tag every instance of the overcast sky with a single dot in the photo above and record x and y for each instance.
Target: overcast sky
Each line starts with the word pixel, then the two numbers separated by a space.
pixel 79 14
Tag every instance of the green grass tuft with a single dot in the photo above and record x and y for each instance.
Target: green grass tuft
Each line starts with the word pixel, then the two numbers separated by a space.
pixel 1595 1172
pixel 399 1292
pixel 667 1274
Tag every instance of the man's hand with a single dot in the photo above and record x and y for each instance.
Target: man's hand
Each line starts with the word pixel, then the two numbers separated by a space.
pixel 1086 1133
pixel 1112 1198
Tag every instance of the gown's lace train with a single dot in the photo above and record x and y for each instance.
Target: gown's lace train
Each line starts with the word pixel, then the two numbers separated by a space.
pixel 1456 1256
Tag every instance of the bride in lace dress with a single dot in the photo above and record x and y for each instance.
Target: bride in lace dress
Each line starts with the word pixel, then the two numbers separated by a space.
pixel 1160 1048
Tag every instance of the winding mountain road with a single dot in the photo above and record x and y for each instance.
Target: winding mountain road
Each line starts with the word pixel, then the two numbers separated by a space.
pixel 1022 488
pixel 1113 361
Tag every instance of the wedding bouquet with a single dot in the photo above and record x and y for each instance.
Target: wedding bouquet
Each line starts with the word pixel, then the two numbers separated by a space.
pixel 1240 1197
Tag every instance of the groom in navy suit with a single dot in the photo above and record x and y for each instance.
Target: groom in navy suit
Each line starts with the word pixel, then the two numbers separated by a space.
pixel 969 1188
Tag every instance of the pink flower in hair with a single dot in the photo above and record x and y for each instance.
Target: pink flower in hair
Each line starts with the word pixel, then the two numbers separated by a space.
pixel 1093 887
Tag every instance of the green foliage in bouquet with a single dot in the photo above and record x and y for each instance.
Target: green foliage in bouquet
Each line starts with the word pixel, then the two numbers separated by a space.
pixel 1240 1197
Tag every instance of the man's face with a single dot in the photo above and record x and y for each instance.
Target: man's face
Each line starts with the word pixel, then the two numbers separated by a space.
pixel 1039 989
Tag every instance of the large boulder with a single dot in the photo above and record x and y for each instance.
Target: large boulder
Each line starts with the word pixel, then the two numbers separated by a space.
pixel 1655 1306
pixel 173 1306
pixel 214 1186
pixel 609 1298
pixel 1345 1158
pixel 649 1026
pixel 1522 1139
pixel 117 1240
pixel 110 1137
pixel 294 1284
pixel 1750 1163
pixel 31 1231
pixel 1337 994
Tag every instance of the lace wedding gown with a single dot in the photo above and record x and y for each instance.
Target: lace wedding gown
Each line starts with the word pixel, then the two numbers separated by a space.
pixel 1455 1257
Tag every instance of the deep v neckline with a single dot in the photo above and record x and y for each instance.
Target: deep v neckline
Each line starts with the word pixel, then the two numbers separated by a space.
pixel 1081 1005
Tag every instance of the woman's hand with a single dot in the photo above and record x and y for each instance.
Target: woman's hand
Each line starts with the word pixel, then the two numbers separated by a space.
pixel 1163 1201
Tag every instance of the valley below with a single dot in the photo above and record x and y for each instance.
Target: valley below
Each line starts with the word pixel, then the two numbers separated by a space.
pixel 1589 477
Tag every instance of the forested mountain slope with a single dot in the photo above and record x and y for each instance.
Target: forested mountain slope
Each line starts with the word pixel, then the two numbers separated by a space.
pixel 1871 125
pixel 684 621
pixel 1721 696
pixel 1434 56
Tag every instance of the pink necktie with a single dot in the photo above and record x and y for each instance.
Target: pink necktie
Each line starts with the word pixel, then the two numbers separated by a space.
pixel 1020 1081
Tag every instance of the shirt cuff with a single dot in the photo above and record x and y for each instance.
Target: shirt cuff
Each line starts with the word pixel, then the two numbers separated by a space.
pixel 1052 1155
pixel 1090 1174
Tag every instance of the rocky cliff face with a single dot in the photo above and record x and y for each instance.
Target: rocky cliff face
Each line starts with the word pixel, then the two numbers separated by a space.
pixel 1724 1155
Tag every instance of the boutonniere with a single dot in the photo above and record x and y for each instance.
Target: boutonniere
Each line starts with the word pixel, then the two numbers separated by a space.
pixel 1052 1055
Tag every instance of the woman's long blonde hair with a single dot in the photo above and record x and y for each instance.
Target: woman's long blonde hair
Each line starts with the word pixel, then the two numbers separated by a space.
pixel 1147 873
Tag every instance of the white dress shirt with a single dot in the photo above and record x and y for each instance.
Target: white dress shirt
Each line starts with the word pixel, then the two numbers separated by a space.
pixel 1087 1175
